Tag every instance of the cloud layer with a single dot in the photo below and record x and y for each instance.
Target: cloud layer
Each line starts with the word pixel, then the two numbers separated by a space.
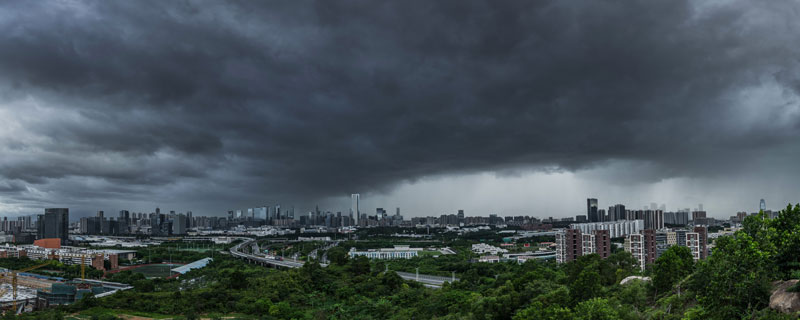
pixel 209 105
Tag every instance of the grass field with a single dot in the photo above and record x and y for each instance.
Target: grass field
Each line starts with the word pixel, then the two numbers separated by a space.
pixel 156 271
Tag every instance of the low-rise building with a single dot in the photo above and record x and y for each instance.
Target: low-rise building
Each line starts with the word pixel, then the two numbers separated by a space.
pixel 481 248
pixel 398 252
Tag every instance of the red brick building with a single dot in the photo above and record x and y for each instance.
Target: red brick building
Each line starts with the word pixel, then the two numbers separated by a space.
pixel 650 246
pixel 602 240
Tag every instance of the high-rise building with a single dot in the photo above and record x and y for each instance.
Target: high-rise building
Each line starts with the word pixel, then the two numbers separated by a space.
pixel 634 243
pixel 702 233
pixel 55 224
pixel 602 245
pixel 680 237
pixel 354 207
pixel 616 229
pixel 587 244
pixel 762 205
pixel 669 218
pixel 261 213
pixel 619 212
pixel 569 245
pixel 591 210
pixel 693 242
pixel 179 224
pixel 124 215
pixel 650 246
pixel 698 214
pixel 682 217
pixel 654 219
pixel 572 243
pixel 663 242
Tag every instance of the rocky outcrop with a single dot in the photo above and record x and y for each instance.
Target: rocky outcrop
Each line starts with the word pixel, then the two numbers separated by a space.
pixel 631 278
pixel 783 301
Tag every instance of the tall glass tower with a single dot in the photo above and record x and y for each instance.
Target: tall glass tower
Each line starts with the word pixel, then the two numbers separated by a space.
pixel 762 205
pixel 591 210
pixel 354 199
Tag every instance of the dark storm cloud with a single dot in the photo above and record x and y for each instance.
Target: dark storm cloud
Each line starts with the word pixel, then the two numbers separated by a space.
pixel 252 100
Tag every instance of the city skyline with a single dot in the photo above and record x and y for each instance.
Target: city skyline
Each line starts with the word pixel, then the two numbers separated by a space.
pixel 512 108
pixel 616 211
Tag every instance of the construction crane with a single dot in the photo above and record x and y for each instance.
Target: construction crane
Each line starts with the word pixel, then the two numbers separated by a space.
pixel 14 280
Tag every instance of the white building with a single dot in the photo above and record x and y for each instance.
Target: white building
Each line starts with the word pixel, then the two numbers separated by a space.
pixel 398 252
pixel 693 242
pixel 561 244
pixel 616 229
pixel 481 248
pixel 587 241
pixel 634 243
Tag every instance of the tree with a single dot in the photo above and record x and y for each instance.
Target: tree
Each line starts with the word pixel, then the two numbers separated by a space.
pixel 784 234
pixel 624 263
pixel 359 265
pixel 596 309
pixel 735 279
pixel 237 280
pixel 537 310
pixel 338 256
pixel 633 293
pixel 672 266
pixel 144 285
pixel 586 286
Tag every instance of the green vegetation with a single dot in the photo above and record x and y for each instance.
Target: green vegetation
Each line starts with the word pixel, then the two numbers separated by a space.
pixel 734 283
pixel 54 269
pixel 179 252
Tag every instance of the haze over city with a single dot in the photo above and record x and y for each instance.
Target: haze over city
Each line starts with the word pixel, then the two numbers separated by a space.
pixel 506 108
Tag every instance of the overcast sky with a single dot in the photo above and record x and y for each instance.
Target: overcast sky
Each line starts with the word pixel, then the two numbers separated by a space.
pixel 507 107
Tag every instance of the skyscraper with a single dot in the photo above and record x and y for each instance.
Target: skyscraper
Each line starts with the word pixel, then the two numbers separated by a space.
pixel 591 210
pixel 179 224
pixel 55 224
pixel 762 205
pixel 619 212
pixel 354 203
